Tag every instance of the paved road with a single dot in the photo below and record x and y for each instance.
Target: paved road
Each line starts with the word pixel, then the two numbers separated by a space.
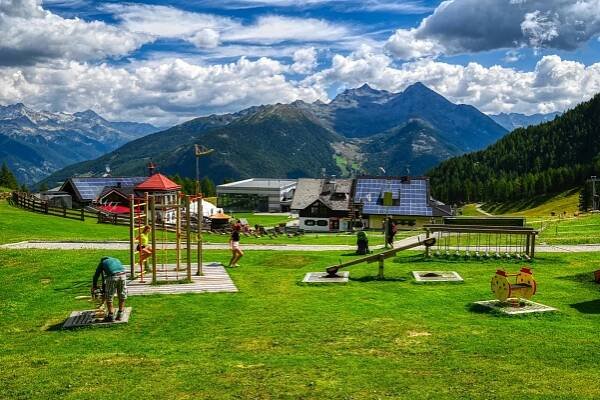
pixel 116 245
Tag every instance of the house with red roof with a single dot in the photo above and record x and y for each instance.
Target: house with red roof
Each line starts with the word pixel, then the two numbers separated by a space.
pixel 165 192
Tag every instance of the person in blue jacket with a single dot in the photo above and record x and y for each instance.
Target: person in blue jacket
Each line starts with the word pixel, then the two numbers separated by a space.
pixel 114 277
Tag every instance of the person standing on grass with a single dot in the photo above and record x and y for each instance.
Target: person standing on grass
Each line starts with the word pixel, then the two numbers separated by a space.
pixel 234 245
pixel 115 278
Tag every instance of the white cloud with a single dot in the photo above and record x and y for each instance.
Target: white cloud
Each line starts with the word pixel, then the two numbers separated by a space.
pixel 272 29
pixel 405 45
pixel 395 6
pixel 31 34
pixel 466 26
pixel 554 85
pixel 163 91
pixel 305 60
pixel 206 38
pixel 540 28
pixel 209 31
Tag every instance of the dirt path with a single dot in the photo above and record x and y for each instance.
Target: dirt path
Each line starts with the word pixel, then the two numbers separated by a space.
pixel 116 245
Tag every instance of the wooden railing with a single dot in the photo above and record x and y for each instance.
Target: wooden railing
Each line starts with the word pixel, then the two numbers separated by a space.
pixel 29 202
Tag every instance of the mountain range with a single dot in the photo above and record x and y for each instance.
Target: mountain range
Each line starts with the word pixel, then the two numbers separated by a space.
pixel 360 131
pixel 36 143
pixel 512 121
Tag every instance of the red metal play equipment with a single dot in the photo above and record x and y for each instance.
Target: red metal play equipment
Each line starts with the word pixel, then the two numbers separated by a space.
pixel 524 286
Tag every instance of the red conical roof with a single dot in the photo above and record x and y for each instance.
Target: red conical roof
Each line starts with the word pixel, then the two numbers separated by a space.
pixel 158 182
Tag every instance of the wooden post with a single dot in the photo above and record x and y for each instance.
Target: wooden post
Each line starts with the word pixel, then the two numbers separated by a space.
pixel 64 211
pixel 147 208
pixel 532 246
pixel 528 245
pixel 153 221
pixel 199 249
pixel 82 215
pixel 380 275
pixel 188 228
pixel 131 236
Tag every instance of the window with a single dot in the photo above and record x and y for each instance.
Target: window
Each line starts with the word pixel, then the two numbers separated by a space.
pixel 322 222
pixel 309 222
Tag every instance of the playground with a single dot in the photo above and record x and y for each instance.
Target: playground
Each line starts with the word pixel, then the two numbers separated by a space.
pixel 277 337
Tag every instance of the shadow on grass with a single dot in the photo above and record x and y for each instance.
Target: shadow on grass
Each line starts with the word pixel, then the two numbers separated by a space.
pixel 588 307
pixel 55 327
pixel 585 277
pixel 479 309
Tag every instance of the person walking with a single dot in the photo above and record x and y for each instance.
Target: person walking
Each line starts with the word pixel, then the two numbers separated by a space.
pixel 114 277
pixel 234 245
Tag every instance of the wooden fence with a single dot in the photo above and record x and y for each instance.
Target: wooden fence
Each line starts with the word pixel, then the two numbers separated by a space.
pixel 29 202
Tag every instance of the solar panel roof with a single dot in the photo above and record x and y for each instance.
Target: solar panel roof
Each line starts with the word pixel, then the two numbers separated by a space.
pixel 90 188
pixel 413 196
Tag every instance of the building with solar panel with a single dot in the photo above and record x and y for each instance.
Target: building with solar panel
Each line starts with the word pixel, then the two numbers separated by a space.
pixel 406 199
pixel 85 191
pixel 323 205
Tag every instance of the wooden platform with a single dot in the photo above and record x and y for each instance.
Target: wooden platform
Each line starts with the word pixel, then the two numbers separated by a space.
pixel 525 307
pixel 436 276
pixel 79 319
pixel 215 280
pixel 322 277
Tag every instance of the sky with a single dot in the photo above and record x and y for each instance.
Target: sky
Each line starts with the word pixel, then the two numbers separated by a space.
pixel 165 62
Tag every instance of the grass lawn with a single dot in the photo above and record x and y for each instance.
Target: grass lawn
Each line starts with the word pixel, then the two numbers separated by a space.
pixel 470 210
pixel 264 220
pixel 538 206
pixel 18 225
pixel 277 338
pixel 581 230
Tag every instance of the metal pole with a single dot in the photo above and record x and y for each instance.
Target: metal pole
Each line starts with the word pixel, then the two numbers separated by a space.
pixel 593 193
pixel 131 235
pixel 178 236
pixel 188 238
pixel 153 221
pixel 197 173
pixel 199 249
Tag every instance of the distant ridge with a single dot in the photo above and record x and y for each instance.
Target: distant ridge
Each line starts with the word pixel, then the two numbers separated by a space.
pixel 37 143
pixel 359 131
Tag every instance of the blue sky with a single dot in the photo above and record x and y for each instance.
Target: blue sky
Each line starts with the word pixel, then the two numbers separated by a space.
pixel 168 61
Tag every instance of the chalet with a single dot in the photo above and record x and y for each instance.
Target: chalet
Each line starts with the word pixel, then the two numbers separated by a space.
pixel 116 199
pixel 85 190
pixel 166 193
pixel 406 199
pixel 323 205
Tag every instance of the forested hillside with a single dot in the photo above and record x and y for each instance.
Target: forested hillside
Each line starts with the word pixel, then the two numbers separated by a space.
pixel 542 159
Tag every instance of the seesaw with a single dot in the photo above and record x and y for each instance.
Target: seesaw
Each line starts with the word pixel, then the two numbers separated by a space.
pixel 332 272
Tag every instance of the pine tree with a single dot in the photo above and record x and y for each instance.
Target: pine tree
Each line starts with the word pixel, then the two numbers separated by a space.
pixel 208 187
pixel 7 179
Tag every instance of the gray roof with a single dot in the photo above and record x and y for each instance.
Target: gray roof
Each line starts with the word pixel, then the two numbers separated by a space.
pixel 88 189
pixel 260 183
pixel 335 194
